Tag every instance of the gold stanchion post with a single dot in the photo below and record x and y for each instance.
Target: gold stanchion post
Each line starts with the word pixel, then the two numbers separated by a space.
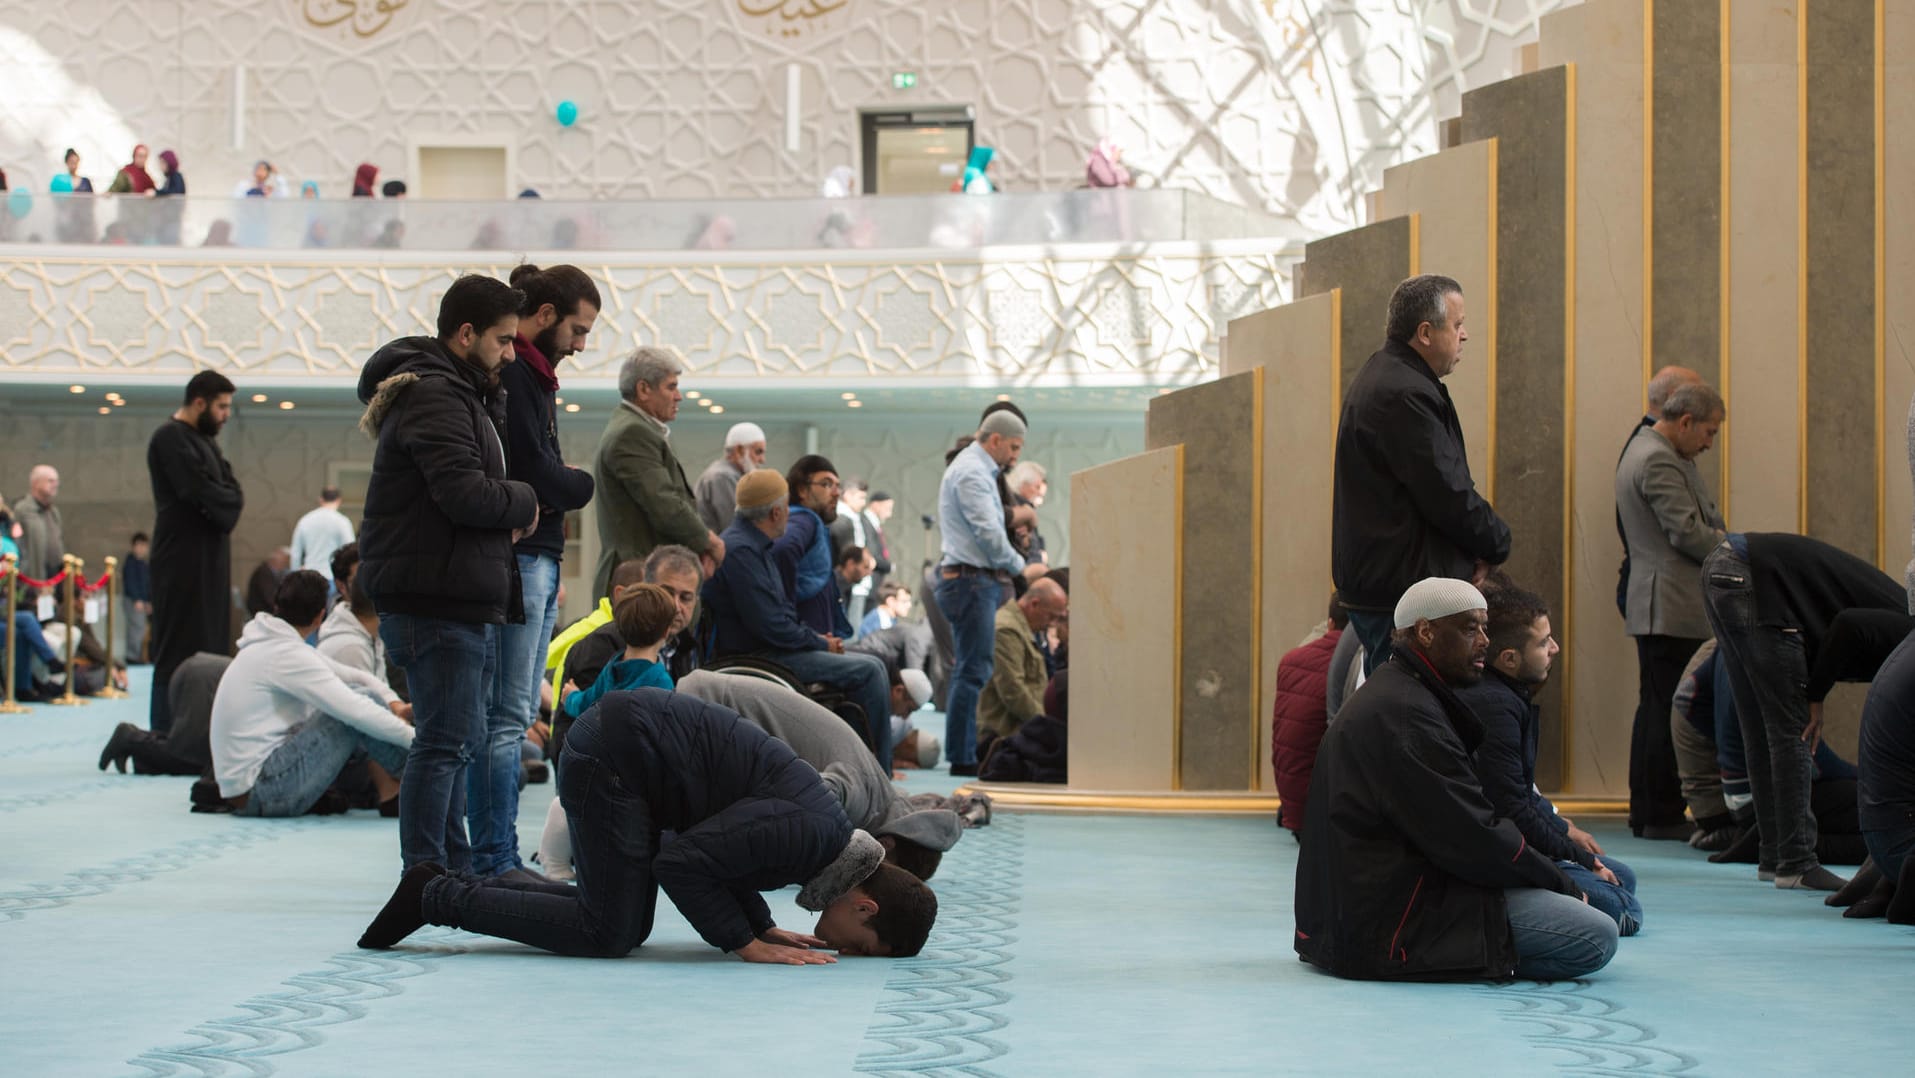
pixel 71 698
pixel 112 592
pixel 9 578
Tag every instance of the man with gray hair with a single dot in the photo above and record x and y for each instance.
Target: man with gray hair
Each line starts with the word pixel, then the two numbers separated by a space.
pixel 1029 485
pixel 1670 524
pixel 977 564
pixel 1665 382
pixel 1405 507
pixel 644 501
pixel 717 487
pixel 42 540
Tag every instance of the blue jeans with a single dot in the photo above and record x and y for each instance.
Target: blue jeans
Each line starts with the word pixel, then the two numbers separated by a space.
pixel 610 912
pixel 1373 631
pixel 861 676
pixel 970 604
pixel 512 705
pixel 449 669
pixel 29 643
pixel 1558 937
pixel 1769 671
pixel 1618 902
pixel 308 761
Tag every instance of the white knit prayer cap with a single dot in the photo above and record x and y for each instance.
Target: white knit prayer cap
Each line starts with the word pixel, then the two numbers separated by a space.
pixel 1437 597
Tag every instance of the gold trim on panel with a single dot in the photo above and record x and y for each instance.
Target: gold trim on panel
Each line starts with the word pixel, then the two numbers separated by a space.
pixel 1416 244
pixel 1037 797
pixel 1722 283
pixel 1648 196
pixel 1802 266
pixel 1489 316
pixel 1881 288
pixel 1256 578
pixel 1569 413
pixel 1177 623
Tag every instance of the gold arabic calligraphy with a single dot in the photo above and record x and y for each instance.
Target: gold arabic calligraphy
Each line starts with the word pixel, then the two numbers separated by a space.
pixel 367 17
pixel 790 10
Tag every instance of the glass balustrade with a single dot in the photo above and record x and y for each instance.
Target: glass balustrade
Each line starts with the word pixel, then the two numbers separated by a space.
pixel 915 222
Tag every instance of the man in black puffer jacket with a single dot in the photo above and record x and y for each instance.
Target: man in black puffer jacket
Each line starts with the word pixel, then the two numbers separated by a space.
pixel 743 813
pixel 436 546
pixel 1406 871
pixel 1404 506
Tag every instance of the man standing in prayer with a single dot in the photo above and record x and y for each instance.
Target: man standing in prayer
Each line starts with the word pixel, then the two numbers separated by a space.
pixel 717 488
pixel 1405 506
pixel 197 503
pixel 319 533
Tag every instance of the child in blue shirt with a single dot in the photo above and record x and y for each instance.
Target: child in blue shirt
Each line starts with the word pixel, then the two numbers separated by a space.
pixel 644 616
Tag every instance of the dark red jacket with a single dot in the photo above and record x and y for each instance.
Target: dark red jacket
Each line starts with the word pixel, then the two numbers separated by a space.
pixel 1303 677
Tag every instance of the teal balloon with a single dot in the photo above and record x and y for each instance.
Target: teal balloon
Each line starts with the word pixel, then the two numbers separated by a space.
pixel 568 113
pixel 63 184
pixel 19 202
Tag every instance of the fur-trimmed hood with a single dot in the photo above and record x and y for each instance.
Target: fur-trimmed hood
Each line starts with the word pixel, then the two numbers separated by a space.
pixel 401 364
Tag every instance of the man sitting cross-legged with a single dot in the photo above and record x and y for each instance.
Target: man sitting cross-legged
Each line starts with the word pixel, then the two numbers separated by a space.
pixel 286 717
pixel 664 790
pixel 1406 872
pixel 1521 650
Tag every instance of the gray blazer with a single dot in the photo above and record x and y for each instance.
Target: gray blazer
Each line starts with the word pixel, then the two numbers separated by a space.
pixel 1671 523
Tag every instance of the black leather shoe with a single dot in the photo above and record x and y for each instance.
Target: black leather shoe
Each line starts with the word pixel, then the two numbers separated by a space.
pixel 119 747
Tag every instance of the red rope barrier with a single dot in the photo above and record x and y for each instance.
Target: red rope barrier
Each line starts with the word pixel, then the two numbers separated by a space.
pixel 88 589
pixel 32 583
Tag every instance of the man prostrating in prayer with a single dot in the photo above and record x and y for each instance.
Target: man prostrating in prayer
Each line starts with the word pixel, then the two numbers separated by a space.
pixel 745 815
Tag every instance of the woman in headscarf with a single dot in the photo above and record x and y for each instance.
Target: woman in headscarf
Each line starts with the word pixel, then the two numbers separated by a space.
pixel 1106 166
pixel 174 185
pixel 841 183
pixel 309 189
pixel 977 180
pixel 363 179
pixel 73 222
pixel 132 178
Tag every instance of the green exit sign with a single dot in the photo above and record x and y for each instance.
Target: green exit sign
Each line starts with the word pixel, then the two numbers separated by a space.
pixel 903 80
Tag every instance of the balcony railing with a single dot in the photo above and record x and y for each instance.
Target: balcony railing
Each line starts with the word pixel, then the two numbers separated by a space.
pixel 944 221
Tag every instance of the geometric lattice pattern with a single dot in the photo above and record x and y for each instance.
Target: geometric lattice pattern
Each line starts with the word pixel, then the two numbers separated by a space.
pixel 1293 106
pixel 1147 315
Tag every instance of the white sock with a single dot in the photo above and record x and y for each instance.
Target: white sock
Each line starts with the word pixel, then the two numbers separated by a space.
pixel 555 845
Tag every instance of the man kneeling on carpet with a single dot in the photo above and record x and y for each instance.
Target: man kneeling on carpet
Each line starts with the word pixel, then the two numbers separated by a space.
pixel 664 790
pixel 1521 650
pixel 286 718
pixel 1406 872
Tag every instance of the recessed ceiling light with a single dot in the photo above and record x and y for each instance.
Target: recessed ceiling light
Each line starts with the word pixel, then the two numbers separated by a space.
pixel 118 401
pixel 104 410
pixel 259 398
pixel 692 393
pixel 558 400
pixel 76 389
pixel 848 396
pixel 1004 396
pixel 1164 392
pixel 571 407
pixel 717 408
pixel 285 406
pixel 854 404
pixel 112 396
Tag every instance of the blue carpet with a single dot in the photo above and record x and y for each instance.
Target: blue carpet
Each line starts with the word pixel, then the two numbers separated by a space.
pixel 141 939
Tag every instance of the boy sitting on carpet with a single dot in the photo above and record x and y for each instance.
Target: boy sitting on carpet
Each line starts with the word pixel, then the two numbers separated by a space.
pixel 663 790
pixel 644 615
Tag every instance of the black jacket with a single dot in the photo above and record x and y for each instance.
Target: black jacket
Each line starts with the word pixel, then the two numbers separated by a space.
pixel 1506 765
pixel 745 815
pixel 437 537
pixel 1404 863
pixel 533 457
pixel 1405 507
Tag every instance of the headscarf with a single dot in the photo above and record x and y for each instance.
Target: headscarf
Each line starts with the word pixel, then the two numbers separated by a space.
pixel 974 173
pixel 1103 169
pixel 838 183
pixel 171 160
pixel 308 186
pixel 138 181
pixel 363 178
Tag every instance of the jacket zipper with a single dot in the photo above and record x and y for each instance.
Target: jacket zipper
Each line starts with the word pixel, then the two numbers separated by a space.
pixel 1396 951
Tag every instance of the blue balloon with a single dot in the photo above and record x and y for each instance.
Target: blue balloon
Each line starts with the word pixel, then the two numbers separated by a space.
pixel 568 113
pixel 19 202
pixel 62 184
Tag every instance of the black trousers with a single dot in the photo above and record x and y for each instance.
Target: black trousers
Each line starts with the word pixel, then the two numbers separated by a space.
pixel 1655 791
